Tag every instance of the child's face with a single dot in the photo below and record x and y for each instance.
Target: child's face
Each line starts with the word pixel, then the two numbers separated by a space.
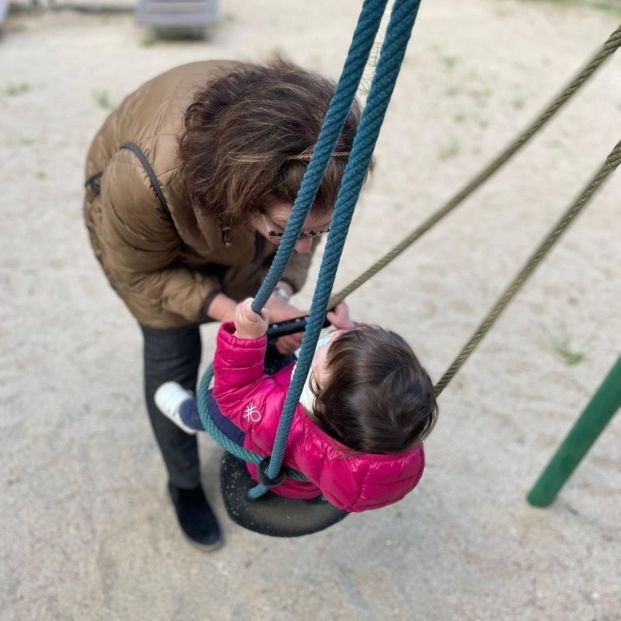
pixel 318 365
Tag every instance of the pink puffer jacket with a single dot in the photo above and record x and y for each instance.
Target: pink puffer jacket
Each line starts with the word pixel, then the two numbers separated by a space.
pixel 253 401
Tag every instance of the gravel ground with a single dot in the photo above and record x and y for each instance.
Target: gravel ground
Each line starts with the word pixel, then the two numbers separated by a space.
pixel 87 532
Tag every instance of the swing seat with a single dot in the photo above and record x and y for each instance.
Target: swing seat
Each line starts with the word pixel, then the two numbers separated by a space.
pixel 271 515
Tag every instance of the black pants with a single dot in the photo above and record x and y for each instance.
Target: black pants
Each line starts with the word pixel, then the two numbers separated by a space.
pixel 173 354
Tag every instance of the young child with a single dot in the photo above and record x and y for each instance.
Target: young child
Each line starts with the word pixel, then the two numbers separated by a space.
pixel 358 429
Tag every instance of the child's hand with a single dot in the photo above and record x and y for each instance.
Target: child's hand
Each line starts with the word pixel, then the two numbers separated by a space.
pixel 248 324
pixel 340 318
pixel 280 310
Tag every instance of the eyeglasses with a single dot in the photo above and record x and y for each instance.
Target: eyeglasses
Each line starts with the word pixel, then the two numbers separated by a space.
pixel 269 225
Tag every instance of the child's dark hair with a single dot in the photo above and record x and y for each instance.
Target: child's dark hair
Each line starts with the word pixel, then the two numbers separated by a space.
pixel 377 397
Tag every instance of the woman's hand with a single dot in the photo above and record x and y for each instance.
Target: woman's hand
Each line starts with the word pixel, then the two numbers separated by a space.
pixel 340 318
pixel 281 310
pixel 248 324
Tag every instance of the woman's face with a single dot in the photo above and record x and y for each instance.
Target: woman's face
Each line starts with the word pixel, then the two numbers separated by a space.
pixel 271 222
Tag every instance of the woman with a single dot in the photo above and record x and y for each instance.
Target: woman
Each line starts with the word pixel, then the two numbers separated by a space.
pixel 190 184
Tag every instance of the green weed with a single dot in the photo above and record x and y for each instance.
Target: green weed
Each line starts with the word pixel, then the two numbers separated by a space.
pixel 449 62
pixel 149 40
pixel 608 6
pixel 561 344
pixel 450 151
pixel 15 88
pixel 103 99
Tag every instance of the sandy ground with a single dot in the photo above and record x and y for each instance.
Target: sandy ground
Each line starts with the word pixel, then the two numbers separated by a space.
pixel 87 531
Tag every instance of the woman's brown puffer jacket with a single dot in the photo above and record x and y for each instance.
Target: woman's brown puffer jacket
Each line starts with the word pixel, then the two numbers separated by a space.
pixel 166 266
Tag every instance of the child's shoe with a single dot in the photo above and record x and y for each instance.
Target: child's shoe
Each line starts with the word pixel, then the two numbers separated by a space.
pixel 168 398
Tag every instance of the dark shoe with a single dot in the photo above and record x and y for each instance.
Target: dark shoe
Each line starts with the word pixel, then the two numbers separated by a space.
pixel 195 516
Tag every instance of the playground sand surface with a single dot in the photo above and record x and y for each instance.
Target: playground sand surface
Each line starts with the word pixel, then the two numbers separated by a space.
pixel 87 532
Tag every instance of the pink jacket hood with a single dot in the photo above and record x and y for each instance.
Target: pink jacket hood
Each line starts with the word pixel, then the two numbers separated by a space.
pixel 254 400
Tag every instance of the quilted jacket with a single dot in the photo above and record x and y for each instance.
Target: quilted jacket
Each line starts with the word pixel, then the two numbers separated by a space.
pixel 253 401
pixel 165 270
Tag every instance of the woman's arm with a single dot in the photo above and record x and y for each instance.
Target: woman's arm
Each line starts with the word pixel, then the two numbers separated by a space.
pixel 221 308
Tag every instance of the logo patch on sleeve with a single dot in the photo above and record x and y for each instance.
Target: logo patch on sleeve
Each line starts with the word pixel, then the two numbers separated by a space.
pixel 252 413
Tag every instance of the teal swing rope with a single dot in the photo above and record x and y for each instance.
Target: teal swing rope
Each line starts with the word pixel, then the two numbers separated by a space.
pixel 391 56
pixel 357 57
pixel 344 94
pixel 398 33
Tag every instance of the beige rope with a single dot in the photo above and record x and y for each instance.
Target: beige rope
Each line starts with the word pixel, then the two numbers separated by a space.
pixel 611 45
pixel 611 163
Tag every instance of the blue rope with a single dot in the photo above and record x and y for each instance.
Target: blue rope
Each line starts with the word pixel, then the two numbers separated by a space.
pixel 357 57
pixel 358 54
pixel 398 34
pixel 225 442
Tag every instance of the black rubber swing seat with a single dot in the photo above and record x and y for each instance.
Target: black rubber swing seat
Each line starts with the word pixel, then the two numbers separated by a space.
pixel 271 514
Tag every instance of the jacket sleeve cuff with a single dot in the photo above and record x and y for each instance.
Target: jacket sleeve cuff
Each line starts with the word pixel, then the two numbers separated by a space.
pixel 207 303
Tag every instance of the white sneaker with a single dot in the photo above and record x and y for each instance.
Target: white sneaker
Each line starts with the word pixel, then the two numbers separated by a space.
pixel 168 398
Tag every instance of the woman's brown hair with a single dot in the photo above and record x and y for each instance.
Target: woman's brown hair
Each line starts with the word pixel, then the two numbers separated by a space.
pixel 377 397
pixel 249 135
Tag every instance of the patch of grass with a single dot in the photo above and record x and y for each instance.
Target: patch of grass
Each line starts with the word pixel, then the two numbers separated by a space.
pixel 459 118
pixel 149 41
pixel 562 346
pixel 26 141
pixel 103 99
pixel 451 91
pixel 453 149
pixel 608 6
pixel 12 89
pixel 449 62
pixel 518 103
pixel 562 3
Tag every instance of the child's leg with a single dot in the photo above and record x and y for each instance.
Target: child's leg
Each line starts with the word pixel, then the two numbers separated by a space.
pixel 231 431
pixel 171 398
pixel 188 413
pixel 181 407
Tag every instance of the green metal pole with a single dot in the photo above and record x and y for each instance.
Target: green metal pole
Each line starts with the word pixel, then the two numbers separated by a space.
pixel 587 429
